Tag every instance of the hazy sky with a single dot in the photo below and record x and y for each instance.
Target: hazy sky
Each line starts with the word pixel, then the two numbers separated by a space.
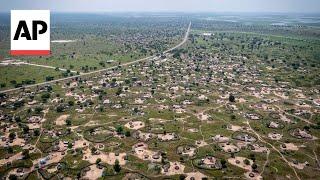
pixel 304 6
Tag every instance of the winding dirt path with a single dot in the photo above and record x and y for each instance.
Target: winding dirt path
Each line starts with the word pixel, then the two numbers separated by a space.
pixel 102 70
pixel 274 148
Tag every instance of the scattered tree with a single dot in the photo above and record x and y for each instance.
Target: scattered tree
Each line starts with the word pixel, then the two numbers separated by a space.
pixel 223 163
pixel 119 129
pixel 117 167
pixel 232 98
pixel 12 135
pixel 68 122
pixel 25 154
pixel 98 161
pixel 127 134
pixel 36 132
pixel 10 150
pixel 182 177
pixel 246 162
pixel 13 177
pixel 254 166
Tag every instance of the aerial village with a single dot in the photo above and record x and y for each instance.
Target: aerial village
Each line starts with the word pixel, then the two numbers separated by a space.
pixel 190 113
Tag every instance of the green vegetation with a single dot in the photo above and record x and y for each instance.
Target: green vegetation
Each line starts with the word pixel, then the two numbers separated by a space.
pixel 237 99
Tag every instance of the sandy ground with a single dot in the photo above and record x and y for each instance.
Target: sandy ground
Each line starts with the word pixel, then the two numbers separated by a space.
pixel 180 110
pixel 175 168
pixel 220 138
pixel 202 97
pixel 300 95
pixel 303 105
pixel 274 124
pixel 16 142
pixel 145 136
pixel 316 102
pixel 52 170
pixel 299 165
pixel 191 151
pixel 113 144
pixel 241 144
pixel 260 149
pixel 275 136
pixel 229 148
pixel 34 125
pixel 10 159
pixel 241 164
pixel 209 160
pixel 201 143
pixel 135 125
pixel 241 100
pixel 60 121
pixel 262 107
pixel 80 110
pixel 138 101
pixel 233 107
pixel 35 119
pixel 284 118
pixel 14 171
pixel 195 176
pixel 203 117
pixel 93 173
pixel 289 147
pixel 55 157
pixel 142 152
pixel 304 134
pixel 100 130
pixel 166 137
pixel 224 96
pixel 252 116
pixel 81 144
pixel 162 107
pixel 193 130
pixel 234 127
pixel 257 95
pixel 62 146
pixel 109 158
pixel 99 146
pixel 255 177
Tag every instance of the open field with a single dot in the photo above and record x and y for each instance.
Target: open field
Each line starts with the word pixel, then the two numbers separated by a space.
pixel 105 41
pixel 15 76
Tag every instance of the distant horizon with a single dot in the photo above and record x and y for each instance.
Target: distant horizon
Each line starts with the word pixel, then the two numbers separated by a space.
pixel 187 12
pixel 187 6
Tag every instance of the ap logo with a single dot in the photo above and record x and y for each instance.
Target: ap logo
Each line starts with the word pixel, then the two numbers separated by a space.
pixel 30 32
